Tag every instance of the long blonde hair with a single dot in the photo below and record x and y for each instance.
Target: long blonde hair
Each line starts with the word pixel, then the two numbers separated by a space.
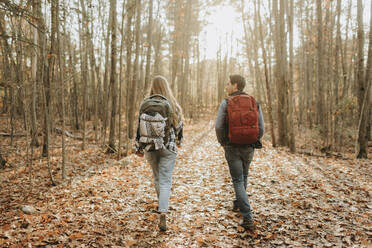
pixel 161 86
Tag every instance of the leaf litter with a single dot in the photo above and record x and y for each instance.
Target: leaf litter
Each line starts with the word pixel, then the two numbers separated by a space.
pixel 297 201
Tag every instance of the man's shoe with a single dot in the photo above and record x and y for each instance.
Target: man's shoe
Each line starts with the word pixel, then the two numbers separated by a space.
pixel 235 209
pixel 235 206
pixel 248 225
pixel 163 223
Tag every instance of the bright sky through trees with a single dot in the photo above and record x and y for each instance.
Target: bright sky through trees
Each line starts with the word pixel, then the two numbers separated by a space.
pixel 226 20
pixel 223 23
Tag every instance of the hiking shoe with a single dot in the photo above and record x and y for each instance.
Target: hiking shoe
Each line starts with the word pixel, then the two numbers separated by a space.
pixel 248 225
pixel 235 206
pixel 163 223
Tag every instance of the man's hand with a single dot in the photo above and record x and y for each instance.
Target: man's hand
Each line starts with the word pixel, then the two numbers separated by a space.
pixel 139 154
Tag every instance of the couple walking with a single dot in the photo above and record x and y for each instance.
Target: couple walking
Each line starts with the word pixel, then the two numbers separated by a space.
pixel 239 127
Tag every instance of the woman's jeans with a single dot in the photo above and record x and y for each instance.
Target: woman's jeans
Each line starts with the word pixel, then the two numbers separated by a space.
pixel 239 159
pixel 162 163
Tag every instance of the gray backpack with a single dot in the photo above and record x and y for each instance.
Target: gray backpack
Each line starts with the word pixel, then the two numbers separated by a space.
pixel 155 118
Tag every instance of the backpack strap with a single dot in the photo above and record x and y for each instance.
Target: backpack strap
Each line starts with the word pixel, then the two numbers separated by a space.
pixel 158 95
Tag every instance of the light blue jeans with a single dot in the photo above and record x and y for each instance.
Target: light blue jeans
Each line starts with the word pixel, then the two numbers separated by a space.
pixel 239 159
pixel 162 164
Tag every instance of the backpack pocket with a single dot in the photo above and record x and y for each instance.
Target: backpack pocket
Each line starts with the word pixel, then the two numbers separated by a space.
pixel 152 131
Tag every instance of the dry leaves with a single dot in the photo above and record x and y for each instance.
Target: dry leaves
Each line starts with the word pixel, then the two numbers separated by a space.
pixel 296 200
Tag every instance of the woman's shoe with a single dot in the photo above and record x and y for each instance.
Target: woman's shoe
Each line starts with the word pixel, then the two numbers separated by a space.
pixel 248 225
pixel 163 222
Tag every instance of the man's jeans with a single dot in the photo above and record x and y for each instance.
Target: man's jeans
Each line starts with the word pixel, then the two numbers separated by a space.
pixel 162 163
pixel 239 159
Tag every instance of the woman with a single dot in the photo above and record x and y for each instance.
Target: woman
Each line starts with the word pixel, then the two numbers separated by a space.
pixel 162 161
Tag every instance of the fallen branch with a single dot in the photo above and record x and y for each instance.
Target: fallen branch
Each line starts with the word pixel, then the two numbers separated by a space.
pixel 14 135
pixel 68 134
pixel 326 155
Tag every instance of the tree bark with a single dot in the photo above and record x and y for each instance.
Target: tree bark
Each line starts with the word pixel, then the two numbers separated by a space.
pixel 106 90
pixel 281 72
pixel 49 77
pixel 121 79
pixel 128 74
pixel 267 83
pixel 62 82
pixel 135 76
pixel 148 55
pixel 291 99
pixel 321 118
pixel 364 87
pixel 113 87
pixel 84 70
pixel 335 114
pixel 34 62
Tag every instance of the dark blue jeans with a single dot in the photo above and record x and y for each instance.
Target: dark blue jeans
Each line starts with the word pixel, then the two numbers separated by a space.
pixel 239 159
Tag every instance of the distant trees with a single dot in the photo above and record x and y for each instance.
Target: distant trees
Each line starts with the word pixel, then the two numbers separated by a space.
pixel 80 66
pixel 322 80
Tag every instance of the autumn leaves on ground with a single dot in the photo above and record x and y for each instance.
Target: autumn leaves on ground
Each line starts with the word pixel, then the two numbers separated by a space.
pixel 297 201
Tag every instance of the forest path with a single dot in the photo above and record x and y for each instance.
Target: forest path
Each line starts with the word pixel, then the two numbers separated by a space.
pixel 296 201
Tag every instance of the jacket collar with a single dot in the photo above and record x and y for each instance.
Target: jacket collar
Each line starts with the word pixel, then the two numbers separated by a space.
pixel 239 92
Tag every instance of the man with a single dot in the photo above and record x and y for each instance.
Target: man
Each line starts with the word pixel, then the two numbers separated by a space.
pixel 239 150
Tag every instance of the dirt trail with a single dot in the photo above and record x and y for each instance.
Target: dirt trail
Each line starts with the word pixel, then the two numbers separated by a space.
pixel 297 201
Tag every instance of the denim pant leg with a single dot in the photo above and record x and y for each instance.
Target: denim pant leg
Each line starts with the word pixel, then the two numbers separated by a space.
pixel 153 159
pixel 247 156
pixel 236 167
pixel 166 164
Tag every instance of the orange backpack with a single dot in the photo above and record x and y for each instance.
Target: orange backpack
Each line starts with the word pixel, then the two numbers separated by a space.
pixel 242 115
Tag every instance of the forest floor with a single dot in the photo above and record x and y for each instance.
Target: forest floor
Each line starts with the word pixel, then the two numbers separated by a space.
pixel 297 200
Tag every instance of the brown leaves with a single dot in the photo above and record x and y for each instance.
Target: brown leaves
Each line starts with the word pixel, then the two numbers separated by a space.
pixel 75 236
pixel 240 229
pixel 294 199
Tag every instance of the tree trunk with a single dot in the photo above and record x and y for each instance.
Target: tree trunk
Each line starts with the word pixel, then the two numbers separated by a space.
pixel 346 74
pixel 364 87
pixel 113 87
pixel 8 72
pixel 128 74
pixel 49 79
pixel 176 40
pixel 267 83
pixel 360 58
pixel 148 56
pixel 121 78
pixel 106 90
pixel 321 115
pixel 336 78
pixel 34 62
pixel 281 72
pixel 94 69
pixel 291 100
pixel 157 48
pixel 84 69
pixel 62 79
pixel 75 100
pixel 134 83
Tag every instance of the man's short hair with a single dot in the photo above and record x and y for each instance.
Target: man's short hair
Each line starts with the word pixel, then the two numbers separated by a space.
pixel 239 80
